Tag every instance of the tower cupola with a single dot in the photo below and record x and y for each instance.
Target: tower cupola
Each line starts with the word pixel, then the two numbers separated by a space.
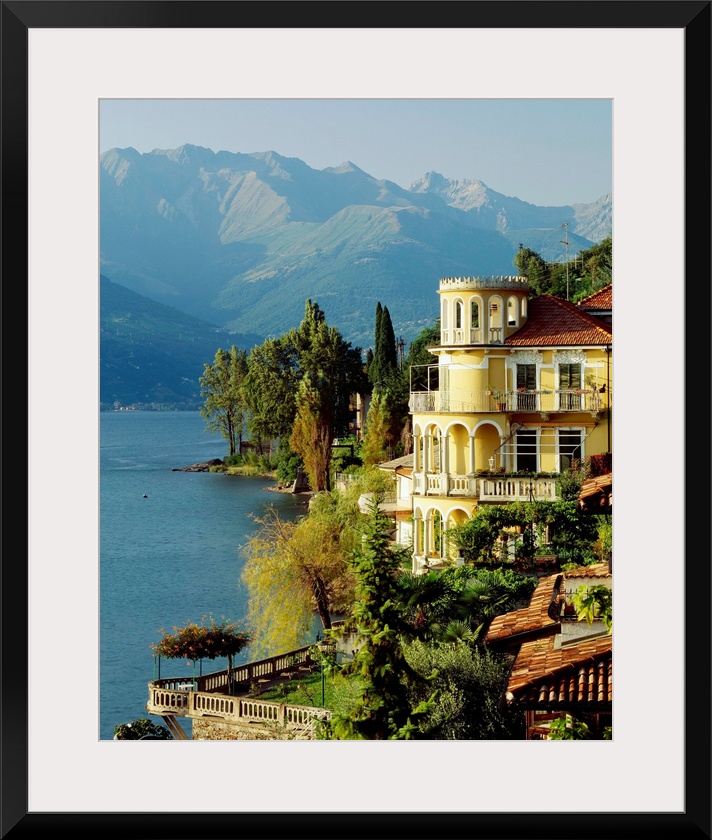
pixel 481 310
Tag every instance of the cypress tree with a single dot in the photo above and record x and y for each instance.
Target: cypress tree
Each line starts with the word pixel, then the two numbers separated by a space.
pixel 389 354
pixel 374 367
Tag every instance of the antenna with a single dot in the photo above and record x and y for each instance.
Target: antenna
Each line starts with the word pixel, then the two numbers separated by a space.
pixel 566 243
pixel 400 345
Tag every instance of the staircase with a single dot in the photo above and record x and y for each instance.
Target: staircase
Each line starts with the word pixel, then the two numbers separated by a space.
pixel 175 728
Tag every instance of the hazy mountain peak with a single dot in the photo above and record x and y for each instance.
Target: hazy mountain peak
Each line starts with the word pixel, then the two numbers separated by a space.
pixel 346 166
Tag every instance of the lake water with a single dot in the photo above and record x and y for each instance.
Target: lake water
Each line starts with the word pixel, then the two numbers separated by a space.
pixel 170 558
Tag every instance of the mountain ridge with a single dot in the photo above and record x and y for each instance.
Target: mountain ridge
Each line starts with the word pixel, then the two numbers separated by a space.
pixel 241 240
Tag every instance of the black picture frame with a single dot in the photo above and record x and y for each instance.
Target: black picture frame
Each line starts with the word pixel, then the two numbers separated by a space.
pixel 16 821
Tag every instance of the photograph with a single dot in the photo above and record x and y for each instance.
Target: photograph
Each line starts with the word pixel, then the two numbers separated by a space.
pixel 432 379
pixel 333 357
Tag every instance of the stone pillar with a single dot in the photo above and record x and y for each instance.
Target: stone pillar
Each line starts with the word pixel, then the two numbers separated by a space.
pixel 427 532
pixel 472 454
pixel 417 547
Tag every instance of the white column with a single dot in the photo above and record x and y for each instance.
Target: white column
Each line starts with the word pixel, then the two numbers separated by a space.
pixel 417 457
pixel 472 454
pixel 427 528
pixel 417 547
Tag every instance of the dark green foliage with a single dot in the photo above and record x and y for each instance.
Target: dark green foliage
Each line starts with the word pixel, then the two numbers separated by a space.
pixel 432 603
pixel 572 533
pixel 384 363
pixel 384 710
pixel 269 388
pixel 224 408
pixel 414 374
pixel 588 272
pixel 137 729
pixel 470 683
pixel 287 463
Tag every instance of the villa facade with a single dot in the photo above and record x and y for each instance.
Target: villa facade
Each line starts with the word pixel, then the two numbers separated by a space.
pixel 519 390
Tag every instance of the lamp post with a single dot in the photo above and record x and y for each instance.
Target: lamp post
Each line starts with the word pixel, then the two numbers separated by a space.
pixel 323 646
pixel 491 463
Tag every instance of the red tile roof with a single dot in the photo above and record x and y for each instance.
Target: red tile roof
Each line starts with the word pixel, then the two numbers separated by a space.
pixel 555 321
pixel 596 570
pixel 546 676
pixel 601 300
pixel 531 619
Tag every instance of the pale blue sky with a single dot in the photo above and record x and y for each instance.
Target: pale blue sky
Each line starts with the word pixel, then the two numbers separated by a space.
pixel 548 152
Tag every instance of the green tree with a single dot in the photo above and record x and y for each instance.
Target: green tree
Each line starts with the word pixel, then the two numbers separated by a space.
pixel 385 355
pixel 384 710
pixel 313 434
pixel 414 374
pixel 331 370
pixel 375 441
pixel 532 266
pixel 470 683
pixel 294 569
pixel 269 388
pixel 372 361
pixel 224 406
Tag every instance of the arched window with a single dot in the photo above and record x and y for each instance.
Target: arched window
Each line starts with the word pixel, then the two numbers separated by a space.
pixel 512 311
pixel 474 315
pixel 458 315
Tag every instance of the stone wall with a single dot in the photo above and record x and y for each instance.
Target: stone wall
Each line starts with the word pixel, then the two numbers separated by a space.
pixel 209 730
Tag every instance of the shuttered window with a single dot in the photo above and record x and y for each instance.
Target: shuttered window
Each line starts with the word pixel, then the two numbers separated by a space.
pixel 569 376
pixel 526 377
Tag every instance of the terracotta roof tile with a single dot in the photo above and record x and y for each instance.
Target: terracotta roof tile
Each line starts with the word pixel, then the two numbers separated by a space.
pixel 601 300
pixel 599 484
pixel 546 675
pixel 595 570
pixel 531 619
pixel 554 321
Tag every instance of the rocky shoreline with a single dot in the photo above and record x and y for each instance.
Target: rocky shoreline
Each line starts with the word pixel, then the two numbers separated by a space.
pixel 206 466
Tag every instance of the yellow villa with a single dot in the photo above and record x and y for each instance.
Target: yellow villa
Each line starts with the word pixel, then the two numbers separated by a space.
pixel 520 389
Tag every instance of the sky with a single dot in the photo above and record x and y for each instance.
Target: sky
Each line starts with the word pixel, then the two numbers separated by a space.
pixel 548 152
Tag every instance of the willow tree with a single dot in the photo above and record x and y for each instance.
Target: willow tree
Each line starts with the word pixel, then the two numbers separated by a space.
pixel 224 408
pixel 296 569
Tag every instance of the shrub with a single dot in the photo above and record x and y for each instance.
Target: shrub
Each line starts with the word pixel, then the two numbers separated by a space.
pixel 137 729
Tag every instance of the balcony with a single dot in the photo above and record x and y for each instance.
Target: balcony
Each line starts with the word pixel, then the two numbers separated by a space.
pixel 520 401
pixel 490 488
pixel 226 697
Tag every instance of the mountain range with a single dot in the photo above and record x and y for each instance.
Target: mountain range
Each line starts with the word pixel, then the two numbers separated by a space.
pixel 152 355
pixel 240 241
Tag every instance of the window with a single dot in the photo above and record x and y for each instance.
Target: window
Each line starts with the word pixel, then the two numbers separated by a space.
pixel 512 312
pixel 569 382
pixel 474 315
pixel 526 378
pixel 458 315
pixel 526 450
pixel 570 449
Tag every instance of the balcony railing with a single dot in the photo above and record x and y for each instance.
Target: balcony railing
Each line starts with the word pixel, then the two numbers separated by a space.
pixel 543 402
pixel 493 488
